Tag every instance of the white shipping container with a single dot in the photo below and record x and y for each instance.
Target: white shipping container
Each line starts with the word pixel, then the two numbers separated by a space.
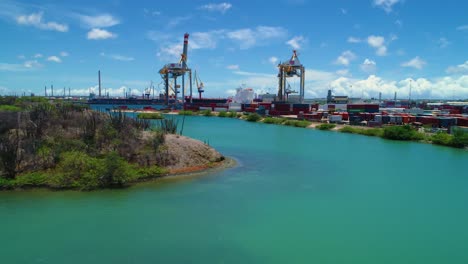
pixel 335 118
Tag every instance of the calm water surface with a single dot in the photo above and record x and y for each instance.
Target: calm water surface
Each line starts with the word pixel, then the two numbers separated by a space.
pixel 296 196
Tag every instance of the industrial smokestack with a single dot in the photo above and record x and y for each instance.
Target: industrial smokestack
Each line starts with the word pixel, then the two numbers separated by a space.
pixel 45 91
pixel 99 79
pixel 380 97
pixel 395 97
pixel 184 54
pixel 52 88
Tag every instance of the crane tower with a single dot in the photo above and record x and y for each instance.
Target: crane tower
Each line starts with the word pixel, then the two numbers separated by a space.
pixel 291 68
pixel 176 70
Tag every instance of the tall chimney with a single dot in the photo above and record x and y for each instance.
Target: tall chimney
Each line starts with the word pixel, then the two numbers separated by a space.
pixel 380 97
pixel 99 78
pixel 52 88
pixel 184 55
pixel 45 91
pixel 395 97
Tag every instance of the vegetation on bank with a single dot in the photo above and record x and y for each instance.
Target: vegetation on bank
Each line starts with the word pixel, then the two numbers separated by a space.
pixel 67 146
pixel 458 138
pixel 150 116
pixel 373 132
pixel 230 114
pixel 325 126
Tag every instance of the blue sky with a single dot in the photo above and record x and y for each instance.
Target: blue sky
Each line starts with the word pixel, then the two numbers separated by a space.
pixel 358 48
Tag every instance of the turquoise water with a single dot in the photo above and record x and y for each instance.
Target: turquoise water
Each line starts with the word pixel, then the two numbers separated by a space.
pixel 296 196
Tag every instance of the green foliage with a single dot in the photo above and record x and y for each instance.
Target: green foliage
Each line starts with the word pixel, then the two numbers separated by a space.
pixel 116 171
pixel 157 139
pixel 206 113
pixel 460 138
pixel 373 132
pixel 186 112
pixel 32 179
pixel 222 114
pixel 150 116
pixel 6 183
pixel 442 138
pixel 77 170
pixel 151 172
pixel 274 120
pixel 232 114
pixel 168 126
pixel 326 126
pixel 402 133
pixel 253 117
pixel 10 108
pixel 297 123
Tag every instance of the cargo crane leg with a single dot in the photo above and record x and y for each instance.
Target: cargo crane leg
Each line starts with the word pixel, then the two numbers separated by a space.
pixel 166 84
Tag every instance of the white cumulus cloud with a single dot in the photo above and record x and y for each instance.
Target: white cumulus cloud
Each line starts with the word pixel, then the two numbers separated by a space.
pixel 377 42
pixel 368 66
pixel 54 59
pixel 416 63
pixel 386 5
pixel 221 7
pixel 354 40
pixel 64 54
pixel 345 58
pixel 38 55
pixel 273 60
pixel 36 20
pixel 99 21
pixel 32 64
pixel 98 34
pixel 296 42
pixel 248 38
pixel 461 68
pixel 233 67
pixel 117 57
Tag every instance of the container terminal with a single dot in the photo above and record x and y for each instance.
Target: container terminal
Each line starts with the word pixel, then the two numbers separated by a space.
pixel 178 93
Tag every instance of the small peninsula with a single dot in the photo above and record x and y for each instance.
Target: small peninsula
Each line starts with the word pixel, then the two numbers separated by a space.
pixel 67 146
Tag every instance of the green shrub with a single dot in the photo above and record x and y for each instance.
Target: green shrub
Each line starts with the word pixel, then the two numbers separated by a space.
pixel 150 116
pixel 273 120
pixel 460 138
pixel 168 126
pixel 186 112
pixel 253 117
pixel 158 138
pixel 402 133
pixel 373 132
pixel 206 112
pixel 326 126
pixel 348 129
pixel 442 138
pixel 77 170
pixel 297 123
pixel 6 183
pixel 32 179
pixel 116 171
pixel 10 108
pixel 222 114
pixel 151 172
pixel 232 114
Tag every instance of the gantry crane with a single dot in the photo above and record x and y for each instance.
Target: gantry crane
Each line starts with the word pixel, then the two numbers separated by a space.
pixel 199 85
pixel 176 70
pixel 291 68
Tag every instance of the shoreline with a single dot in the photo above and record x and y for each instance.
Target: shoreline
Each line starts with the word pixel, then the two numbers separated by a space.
pixel 176 174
